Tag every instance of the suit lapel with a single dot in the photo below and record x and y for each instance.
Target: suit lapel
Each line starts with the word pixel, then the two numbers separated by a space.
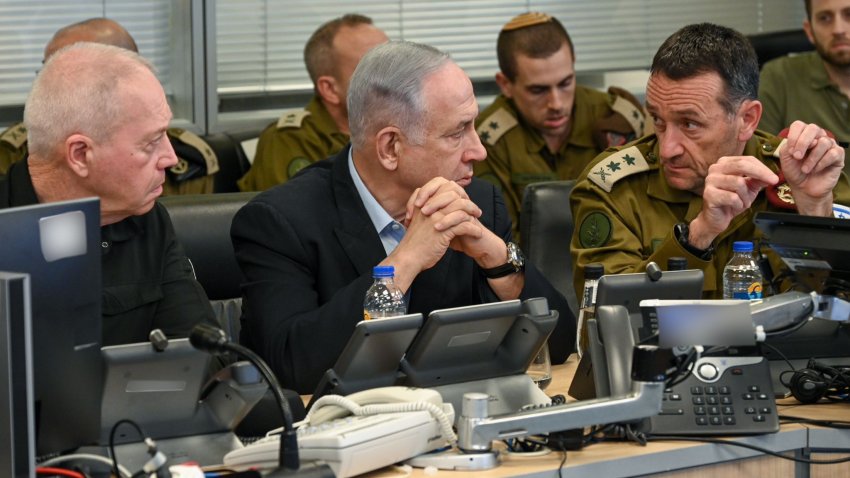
pixel 355 232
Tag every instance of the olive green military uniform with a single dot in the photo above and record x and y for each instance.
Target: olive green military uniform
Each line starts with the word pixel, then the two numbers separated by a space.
pixel 297 139
pixel 193 173
pixel 625 212
pixel 517 154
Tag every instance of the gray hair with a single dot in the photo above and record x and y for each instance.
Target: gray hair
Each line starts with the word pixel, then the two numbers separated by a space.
pixel 77 92
pixel 386 89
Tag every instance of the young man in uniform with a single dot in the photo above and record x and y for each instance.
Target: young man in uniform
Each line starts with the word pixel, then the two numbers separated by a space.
pixel 814 86
pixel 543 126
pixel 692 188
pixel 301 137
pixel 196 163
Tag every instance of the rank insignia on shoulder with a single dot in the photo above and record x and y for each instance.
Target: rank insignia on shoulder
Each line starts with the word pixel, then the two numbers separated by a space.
pixel 15 135
pixel 495 126
pixel 292 118
pixel 617 166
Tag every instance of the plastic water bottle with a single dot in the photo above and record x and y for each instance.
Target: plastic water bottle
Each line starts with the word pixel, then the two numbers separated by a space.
pixel 383 299
pixel 592 273
pixel 742 277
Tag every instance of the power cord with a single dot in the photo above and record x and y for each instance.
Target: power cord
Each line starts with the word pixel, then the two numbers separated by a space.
pixel 125 473
pixel 157 463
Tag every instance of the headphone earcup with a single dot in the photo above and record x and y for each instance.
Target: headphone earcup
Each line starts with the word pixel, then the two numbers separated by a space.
pixel 807 387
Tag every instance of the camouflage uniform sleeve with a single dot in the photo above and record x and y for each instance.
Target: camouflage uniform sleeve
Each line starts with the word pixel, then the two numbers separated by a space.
pixel 607 222
pixel 496 169
pixel 281 153
pixel 13 146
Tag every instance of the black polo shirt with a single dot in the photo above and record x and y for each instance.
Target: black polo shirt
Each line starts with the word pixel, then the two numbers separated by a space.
pixel 147 279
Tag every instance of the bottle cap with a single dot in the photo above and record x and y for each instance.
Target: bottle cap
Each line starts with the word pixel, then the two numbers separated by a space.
pixel 593 271
pixel 677 263
pixel 742 246
pixel 383 271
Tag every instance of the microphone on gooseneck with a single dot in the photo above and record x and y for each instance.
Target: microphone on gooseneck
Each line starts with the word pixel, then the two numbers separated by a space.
pixel 214 340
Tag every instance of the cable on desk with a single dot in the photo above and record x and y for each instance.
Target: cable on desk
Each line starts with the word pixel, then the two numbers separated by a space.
pixel 84 457
pixel 720 441
pixel 50 471
pixel 838 424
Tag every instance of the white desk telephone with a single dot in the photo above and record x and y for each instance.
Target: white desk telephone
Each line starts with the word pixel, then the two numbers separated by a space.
pixel 362 432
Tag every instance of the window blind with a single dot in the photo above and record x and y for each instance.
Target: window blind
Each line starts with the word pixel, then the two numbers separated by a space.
pixel 27 26
pixel 260 42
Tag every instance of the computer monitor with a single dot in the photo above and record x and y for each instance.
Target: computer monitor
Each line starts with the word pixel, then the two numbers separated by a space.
pixel 17 452
pixel 816 251
pixel 58 245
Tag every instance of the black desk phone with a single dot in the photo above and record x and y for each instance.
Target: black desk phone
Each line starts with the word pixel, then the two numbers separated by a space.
pixel 724 394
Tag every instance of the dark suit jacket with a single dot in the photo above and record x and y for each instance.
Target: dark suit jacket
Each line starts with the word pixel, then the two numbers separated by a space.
pixel 307 248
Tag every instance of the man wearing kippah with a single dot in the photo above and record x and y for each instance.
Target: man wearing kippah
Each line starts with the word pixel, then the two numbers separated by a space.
pixel 543 126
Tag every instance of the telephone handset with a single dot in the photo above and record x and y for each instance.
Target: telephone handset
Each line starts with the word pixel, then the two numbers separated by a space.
pixel 327 410
pixel 362 432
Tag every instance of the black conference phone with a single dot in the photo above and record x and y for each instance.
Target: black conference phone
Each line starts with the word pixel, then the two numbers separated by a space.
pixel 724 394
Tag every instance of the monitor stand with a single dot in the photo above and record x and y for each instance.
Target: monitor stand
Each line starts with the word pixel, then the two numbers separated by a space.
pixel 205 450
pixel 507 394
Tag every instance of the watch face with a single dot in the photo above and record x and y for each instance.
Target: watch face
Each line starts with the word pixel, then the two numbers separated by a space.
pixel 515 256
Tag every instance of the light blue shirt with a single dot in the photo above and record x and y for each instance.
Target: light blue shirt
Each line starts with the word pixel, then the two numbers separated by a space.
pixel 389 230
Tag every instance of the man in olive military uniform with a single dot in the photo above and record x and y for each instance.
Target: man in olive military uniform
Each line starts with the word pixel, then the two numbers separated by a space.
pixel 196 160
pixel 692 188
pixel 543 126
pixel 302 137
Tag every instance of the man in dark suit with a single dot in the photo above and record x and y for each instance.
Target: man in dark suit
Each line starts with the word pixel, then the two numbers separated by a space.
pixel 402 195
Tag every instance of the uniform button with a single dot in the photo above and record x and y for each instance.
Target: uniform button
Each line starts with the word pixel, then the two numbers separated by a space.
pixel 651 157
pixel 104 244
pixel 767 147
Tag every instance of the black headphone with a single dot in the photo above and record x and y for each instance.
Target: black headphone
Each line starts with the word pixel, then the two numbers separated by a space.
pixel 816 381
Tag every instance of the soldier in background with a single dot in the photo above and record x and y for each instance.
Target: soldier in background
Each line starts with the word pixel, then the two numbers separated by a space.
pixel 302 137
pixel 196 160
pixel 543 126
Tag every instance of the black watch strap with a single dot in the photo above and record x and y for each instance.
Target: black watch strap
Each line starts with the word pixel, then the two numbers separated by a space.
pixel 681 231
pixel 515 263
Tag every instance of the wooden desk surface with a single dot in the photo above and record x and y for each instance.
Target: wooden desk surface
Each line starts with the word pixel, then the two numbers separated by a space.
pixel 691 459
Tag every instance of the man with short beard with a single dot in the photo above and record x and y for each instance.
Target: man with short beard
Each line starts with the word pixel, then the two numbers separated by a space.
pixel 813 87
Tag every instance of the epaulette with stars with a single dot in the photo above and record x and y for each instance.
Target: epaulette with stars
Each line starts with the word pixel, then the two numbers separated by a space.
pixel 495 126
pixel 617 166
pixel 292 118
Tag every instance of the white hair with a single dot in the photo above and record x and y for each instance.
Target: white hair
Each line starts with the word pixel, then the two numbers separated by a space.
pixel 77 91
pixel 386 89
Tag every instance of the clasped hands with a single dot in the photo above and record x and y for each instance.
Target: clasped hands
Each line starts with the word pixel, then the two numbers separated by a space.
pixel 440 215
pixel 811 163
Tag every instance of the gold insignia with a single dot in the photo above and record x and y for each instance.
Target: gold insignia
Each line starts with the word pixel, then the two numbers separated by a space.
pixel 292 118
pixel 195 141
pixel 611 169
pixel 495 126
pixel 15 135
pixel 783 192
pixel 181 167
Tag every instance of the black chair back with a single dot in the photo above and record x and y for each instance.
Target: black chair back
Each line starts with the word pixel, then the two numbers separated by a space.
pixel 546 228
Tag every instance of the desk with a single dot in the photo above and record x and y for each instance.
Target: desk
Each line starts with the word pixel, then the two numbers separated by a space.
pixel 682 459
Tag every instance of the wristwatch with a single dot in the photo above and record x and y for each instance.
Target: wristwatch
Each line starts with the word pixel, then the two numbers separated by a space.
pixel 681 232
pixel 515 263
